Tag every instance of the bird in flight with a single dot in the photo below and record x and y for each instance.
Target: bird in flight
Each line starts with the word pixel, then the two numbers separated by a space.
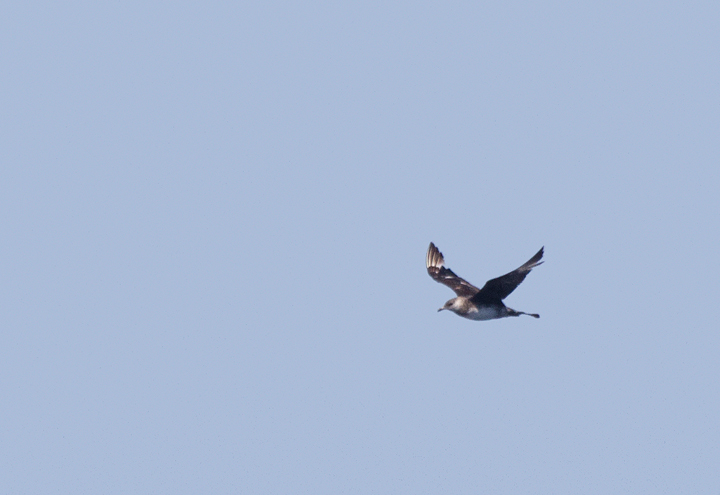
pixel 474 303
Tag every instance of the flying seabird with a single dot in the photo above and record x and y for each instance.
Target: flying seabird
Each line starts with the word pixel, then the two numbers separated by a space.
pixel 474 303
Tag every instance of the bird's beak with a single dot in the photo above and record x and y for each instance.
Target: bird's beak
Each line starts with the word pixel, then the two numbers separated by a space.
pixel 440 309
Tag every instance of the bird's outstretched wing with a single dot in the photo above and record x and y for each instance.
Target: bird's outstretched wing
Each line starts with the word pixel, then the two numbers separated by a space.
pixel 435 261
pixel 501 287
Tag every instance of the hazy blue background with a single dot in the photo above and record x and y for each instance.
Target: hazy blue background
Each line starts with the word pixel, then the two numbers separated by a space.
pixel 214 225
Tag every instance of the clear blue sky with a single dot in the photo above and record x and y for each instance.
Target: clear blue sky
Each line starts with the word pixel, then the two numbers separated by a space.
pixel 214 225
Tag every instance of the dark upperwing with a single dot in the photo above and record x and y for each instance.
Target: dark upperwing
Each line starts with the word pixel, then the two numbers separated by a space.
pixel 501 287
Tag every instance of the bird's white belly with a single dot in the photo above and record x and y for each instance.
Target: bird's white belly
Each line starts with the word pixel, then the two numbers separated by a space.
pixel 483 313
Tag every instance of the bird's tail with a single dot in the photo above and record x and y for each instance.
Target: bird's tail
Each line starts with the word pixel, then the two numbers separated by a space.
pixel 512 312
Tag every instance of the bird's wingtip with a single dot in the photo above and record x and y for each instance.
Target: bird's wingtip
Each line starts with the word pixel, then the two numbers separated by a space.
pixel 433 258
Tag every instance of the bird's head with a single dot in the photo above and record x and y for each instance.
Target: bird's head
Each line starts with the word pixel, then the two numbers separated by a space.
pixel 450 305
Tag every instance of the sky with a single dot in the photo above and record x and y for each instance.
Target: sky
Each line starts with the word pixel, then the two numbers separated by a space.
pixel 214 219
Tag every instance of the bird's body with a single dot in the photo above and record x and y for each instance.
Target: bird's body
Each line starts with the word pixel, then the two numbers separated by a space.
pixel 474 303
pixel 485 312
